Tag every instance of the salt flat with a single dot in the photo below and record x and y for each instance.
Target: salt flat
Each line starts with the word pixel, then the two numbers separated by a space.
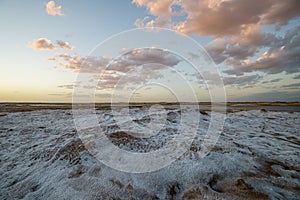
pixel 257 156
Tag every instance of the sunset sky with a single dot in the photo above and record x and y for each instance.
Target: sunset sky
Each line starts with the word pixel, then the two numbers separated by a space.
pixel 254 43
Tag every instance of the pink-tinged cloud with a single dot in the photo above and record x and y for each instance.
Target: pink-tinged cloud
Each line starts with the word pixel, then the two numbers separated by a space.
pixel 52 9
pixel 282 11
pixel 282 56
pixel 237 48
pixel 237 29
pixel 42 44
pixel 220 17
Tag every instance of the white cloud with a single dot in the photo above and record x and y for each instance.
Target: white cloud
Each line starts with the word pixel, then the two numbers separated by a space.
pixel 52 9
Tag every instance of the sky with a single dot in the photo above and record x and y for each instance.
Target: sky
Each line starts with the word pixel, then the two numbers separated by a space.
pixel 51 50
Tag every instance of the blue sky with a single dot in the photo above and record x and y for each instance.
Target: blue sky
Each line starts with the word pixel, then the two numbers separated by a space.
pixel 249 48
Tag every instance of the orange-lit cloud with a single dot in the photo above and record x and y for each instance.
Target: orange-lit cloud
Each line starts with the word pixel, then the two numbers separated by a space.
pixel 160 8
pixel 42 44
pixel 46 44
pixel 156 7
pixel 52 9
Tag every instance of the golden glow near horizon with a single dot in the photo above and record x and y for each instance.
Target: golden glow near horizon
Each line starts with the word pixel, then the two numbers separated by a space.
pixel 42 50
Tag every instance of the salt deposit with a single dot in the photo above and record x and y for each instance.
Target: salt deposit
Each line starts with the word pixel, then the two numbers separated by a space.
pixel 257 156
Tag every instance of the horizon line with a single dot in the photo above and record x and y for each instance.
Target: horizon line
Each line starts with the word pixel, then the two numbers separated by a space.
pixel 140 102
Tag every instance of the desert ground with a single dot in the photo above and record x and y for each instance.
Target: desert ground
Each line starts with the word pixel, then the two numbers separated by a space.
pixel 257 155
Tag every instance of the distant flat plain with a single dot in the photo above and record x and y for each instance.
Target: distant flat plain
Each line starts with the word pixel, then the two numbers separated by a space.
pixel 205 106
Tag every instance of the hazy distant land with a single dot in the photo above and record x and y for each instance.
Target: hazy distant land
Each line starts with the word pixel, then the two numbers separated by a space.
pixel 206 106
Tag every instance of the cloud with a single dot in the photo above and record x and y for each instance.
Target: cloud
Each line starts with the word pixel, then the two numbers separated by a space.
pixel 297 76
pixel 67 86
pixel 231 50
pixel 292 86
pixel 272 81
pixel 42 44
pixel 52 9
pixel 223 17
pixel 160 8
pixel 282 11
pixel 156 7
pixel 64 45
pixel 46 44
pixel 236 27
pixel 135 66
pixel 217 48
pixel 283 56
pixel 88 64
pixel 242 80
pixel 124 63
pixel 138 57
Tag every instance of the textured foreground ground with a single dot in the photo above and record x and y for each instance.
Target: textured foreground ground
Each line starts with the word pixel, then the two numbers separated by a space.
pixel 256 157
